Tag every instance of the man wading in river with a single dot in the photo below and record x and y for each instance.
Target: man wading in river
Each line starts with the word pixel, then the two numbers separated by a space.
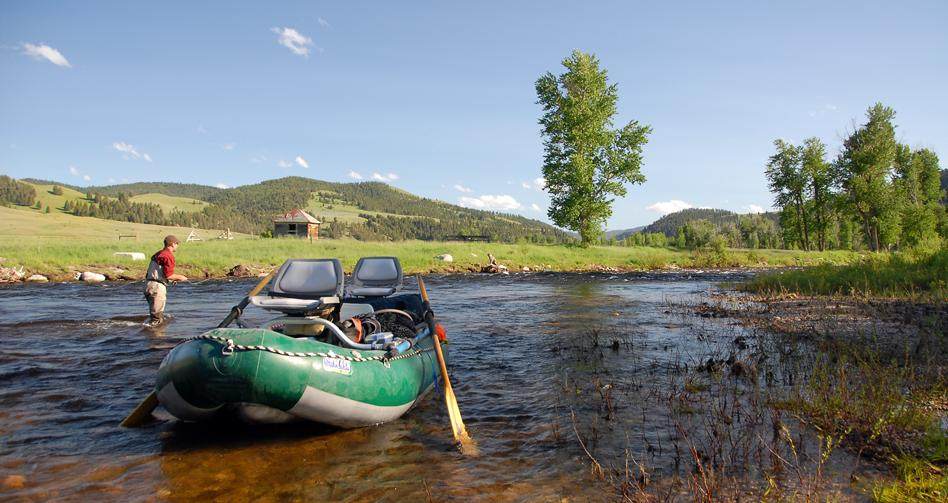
pixel 160 272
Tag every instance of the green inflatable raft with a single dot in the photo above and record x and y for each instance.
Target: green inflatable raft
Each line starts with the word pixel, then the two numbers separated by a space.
pixel 344 358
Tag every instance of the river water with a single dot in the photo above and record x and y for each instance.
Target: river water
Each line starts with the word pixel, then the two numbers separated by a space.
pixel 535 359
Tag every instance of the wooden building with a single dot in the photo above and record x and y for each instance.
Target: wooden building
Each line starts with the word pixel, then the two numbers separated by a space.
pixel 296 223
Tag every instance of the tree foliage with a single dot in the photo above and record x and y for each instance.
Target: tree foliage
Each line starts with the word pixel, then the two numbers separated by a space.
pixel 15 192
pixel 586 163
pixel 877 193
pixel 863 170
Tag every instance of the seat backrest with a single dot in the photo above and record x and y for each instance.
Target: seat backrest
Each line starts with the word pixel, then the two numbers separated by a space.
pixel 376 277
pixel 308 278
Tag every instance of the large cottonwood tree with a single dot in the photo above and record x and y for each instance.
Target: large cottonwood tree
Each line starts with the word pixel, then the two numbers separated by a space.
pixel 586 162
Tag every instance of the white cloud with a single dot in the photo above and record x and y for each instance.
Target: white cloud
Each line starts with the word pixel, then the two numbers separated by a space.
pixel 384 178
pixel 490 202
pixel 355 175
pixel 538 183
pixel 753 208
pixel 222 186
pixel 827 108
pixel 322 22
pixel 129 151
pixel 111 180
pixel 201 129
pixel 258 159
pixel 460 188
pixel 283 163
pixel 87 178
pixel 535 207
pixel 74 171
pixel 302 162
pixel 666 207
pixel 293 40
pixel 229 146
pixel 46 52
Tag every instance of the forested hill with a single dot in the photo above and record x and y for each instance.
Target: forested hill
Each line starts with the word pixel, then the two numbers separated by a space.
pixel 373 210
pixel 669 224
pixel 367 210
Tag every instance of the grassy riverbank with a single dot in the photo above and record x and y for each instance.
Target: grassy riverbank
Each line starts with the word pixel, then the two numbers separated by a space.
pixel 878 385
pixel 215 258
pixel 57 245
pixel 912 274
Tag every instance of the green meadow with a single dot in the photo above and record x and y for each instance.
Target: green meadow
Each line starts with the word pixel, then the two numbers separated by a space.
pixel 58 245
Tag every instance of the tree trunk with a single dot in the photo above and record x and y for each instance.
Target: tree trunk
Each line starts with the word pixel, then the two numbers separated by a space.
pixel 801 226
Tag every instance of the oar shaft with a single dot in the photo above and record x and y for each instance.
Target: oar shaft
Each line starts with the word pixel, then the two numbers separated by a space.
pixel 465 442
pixel 236 310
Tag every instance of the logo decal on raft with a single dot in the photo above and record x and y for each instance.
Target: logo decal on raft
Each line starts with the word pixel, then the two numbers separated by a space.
pixel 337 366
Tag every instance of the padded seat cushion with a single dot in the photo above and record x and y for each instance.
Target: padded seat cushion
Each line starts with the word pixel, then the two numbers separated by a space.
pixel 376 277
pixel 290 306
pixel 308 279
pixel 369 291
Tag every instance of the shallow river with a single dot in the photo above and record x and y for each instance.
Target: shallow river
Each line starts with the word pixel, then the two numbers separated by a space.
pixel 75 361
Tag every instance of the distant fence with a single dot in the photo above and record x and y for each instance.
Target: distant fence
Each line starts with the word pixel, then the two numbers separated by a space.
pixel 459 237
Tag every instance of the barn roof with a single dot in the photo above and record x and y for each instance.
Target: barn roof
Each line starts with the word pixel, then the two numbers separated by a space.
pixel 296 216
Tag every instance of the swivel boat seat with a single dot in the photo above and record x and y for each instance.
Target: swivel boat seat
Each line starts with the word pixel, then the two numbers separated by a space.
pixel 376 277
pixel 304 290
pixel 372 278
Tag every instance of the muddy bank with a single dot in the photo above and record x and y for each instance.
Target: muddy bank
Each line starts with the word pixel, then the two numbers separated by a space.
pixel 891 323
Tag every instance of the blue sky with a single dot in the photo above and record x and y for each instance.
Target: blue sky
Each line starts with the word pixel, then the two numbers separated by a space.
pixel 437 98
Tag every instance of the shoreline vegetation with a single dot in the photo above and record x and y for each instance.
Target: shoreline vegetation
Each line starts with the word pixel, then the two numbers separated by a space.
pixel 60 261
pixel 59 246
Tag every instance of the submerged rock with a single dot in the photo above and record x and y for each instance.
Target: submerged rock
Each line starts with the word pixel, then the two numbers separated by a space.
pixel 14 482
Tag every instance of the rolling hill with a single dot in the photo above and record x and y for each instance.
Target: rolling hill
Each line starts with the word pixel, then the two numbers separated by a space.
pixel 670 223
pixel 367 210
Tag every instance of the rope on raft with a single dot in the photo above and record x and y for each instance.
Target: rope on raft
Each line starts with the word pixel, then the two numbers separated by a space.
pixel 230 347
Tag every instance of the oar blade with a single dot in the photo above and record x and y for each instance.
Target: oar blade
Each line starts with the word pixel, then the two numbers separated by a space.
pixel 142 413
pixel 465 443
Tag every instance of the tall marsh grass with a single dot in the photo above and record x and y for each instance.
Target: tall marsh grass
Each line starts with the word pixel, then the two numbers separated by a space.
pixel 907 274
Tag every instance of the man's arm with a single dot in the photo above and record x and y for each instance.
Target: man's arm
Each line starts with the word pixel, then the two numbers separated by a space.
pixel 167 263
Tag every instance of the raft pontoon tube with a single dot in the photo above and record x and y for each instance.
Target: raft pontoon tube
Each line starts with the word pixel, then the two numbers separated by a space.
pixel 274 374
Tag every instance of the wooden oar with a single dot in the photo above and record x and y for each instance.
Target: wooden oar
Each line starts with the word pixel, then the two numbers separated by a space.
pixel 142 413
pixel 464 441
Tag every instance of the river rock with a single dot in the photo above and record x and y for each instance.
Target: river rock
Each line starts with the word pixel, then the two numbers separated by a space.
pixel 445 257
pixel 240 271
pixel 14 482
pixel 90 277
pixel 37 278
pixel 493 267
pixel 11 274
pixel 131 255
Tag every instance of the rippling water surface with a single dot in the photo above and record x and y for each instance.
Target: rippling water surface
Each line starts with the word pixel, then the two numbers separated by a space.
pixel 75 360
